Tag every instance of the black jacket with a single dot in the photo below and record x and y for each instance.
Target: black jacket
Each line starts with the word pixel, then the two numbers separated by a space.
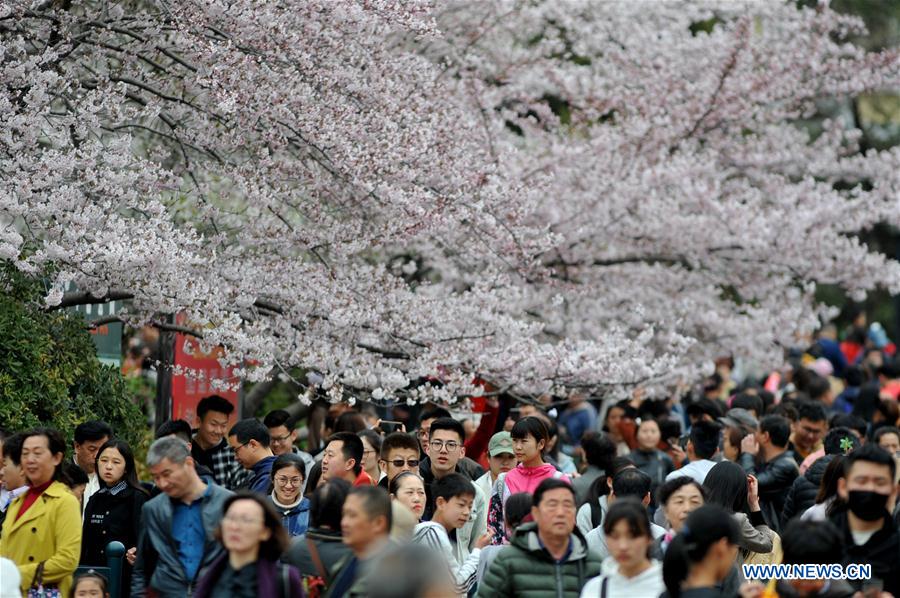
pixel 882 551
pixel 802 494
pixel 775 479
pixel 107 518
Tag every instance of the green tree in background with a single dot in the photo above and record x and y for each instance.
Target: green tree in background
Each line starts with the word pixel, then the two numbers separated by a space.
pixel 49 371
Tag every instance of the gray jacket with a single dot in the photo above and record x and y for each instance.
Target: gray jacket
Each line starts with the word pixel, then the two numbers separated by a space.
pixel 158 566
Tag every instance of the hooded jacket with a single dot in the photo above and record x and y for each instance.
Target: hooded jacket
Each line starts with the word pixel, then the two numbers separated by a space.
pixel 525 569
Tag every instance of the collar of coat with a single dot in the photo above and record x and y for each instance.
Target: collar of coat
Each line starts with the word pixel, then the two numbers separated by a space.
pixel 527 539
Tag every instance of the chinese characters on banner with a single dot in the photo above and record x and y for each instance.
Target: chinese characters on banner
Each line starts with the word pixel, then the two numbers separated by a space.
pixel 188 389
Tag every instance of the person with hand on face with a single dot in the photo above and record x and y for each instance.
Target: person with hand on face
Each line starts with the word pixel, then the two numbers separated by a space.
pixel 630 572
pixel 209 446
pixel 343 458
pixel 764 455
pixel 114 512
pixel 399 453
pixel 254 540
pixel 702 449
pixel 408 489
pixel 738 493
pixel 530 437
pixel 445 449
pixel 453 495
pixel 178 527
pixel 89 437
pixel 42 529
pixel 365 525
pixel 288 473
pixel 702 555
pixel 548 557
pixel 249 439
pixel 677 498
pixel 868 491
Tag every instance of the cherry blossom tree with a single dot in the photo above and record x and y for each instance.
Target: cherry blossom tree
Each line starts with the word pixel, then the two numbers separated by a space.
pixel 549 195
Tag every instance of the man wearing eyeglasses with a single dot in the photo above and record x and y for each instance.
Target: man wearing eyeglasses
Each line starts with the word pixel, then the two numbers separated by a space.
pixel 283 436
pixel 249 439
pixel 445 450
pixel 399 453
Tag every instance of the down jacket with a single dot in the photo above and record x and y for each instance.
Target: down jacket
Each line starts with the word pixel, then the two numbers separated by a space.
pixel 802 494
pixel 525 569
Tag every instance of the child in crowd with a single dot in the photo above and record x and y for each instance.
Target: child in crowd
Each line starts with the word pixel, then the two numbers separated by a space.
pixel 453 496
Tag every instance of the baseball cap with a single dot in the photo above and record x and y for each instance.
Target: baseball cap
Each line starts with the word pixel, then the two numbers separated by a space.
pixel 739 418
pixel 500 443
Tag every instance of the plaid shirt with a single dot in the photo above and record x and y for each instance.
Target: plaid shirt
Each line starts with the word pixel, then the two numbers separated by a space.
pixel 220 460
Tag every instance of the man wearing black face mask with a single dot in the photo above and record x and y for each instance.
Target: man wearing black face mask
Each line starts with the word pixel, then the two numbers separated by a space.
pixel 868 489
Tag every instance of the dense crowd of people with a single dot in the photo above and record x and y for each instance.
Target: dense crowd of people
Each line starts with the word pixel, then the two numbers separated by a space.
pixel 573 497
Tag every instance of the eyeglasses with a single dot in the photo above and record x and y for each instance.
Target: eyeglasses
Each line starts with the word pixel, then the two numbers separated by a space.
pixel 280 439
pixel 295 482
pixel 439 445
pixel 239 447
pixel 242 520
pixel 368 452
pixel 400 462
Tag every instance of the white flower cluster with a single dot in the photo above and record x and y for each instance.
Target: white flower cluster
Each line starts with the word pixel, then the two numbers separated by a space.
pixel 397 197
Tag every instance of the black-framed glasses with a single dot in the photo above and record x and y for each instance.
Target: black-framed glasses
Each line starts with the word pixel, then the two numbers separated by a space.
pixel 400 462
pixel 439 445
pixel 239 447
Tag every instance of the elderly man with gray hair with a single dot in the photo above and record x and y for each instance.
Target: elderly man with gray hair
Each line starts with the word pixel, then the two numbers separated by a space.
pixel 177 532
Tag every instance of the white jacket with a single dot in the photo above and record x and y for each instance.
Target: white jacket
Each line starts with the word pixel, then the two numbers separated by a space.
pixel 434 536
pixel 649 583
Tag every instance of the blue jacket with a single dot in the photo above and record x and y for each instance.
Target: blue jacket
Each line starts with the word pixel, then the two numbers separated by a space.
pixel 260 475
pixel 295 519
pixel 158 566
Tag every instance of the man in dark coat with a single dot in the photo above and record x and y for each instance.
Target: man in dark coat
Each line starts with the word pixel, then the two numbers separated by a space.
pixel 776 469
pixel 867 528
pixel 802 494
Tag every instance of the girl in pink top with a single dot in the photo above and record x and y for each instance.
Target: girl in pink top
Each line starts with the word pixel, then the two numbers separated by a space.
pixel 530 437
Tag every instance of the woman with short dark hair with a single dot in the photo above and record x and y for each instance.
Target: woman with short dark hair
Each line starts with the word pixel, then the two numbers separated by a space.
pixel 254 540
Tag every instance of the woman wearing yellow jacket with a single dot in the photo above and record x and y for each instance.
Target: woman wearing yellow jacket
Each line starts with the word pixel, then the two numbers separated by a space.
pixel 43 525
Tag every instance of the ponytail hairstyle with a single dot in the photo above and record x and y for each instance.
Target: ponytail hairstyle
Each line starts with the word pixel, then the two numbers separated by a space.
pixel 704 527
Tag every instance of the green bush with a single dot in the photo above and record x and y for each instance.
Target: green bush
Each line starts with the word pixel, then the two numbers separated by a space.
pixel 49 371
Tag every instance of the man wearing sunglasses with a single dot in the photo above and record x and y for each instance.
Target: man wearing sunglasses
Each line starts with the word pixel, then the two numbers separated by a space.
pixel 399 453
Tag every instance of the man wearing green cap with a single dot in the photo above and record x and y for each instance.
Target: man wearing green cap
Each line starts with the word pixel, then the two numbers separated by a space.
pixel 501 459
